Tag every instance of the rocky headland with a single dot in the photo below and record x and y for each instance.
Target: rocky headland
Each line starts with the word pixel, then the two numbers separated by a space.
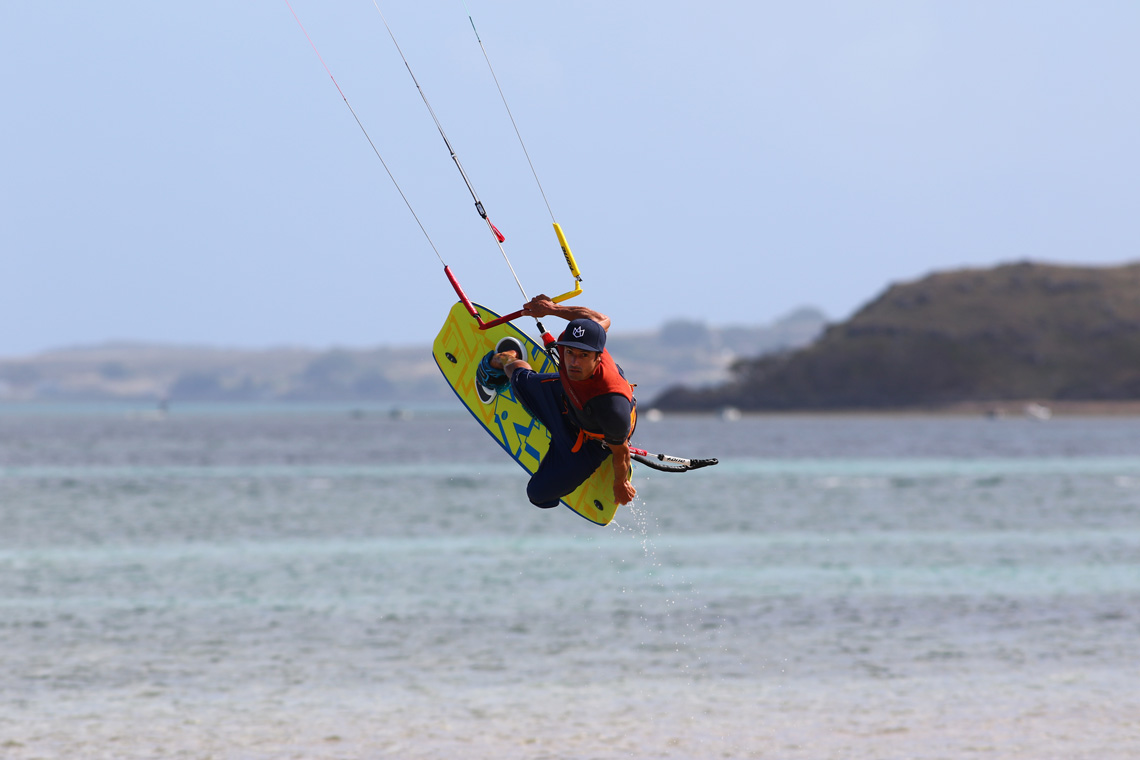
pixel 966 337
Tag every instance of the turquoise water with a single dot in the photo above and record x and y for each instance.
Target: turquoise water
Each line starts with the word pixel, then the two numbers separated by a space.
pixel 336 583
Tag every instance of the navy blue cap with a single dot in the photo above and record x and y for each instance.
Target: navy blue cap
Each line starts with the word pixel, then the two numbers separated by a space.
pixel 583 334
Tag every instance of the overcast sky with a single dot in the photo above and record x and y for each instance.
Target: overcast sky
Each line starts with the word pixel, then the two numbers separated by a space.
pixel 188 173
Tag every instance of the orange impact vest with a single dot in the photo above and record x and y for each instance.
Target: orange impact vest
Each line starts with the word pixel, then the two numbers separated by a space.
pixel 607 378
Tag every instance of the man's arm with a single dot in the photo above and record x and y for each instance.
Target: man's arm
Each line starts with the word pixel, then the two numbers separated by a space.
pixel 623 489
pixel 542 306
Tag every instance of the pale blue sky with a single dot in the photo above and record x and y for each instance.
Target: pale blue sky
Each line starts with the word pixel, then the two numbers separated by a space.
pixel 186 172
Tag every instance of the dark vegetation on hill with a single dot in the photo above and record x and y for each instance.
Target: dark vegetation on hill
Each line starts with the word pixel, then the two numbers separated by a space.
pixel 1018 331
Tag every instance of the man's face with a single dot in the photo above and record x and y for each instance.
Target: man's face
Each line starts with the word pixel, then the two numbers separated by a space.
pixel 580 364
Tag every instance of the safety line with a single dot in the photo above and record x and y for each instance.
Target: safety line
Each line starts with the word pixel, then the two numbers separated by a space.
pixel 499 238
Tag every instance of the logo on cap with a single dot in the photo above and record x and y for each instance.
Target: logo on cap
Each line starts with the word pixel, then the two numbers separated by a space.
pixel 579 332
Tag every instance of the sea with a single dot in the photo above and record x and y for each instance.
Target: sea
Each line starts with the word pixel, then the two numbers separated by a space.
pixel 333 582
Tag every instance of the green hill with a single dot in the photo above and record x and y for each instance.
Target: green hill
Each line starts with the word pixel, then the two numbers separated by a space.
pixel 1018 331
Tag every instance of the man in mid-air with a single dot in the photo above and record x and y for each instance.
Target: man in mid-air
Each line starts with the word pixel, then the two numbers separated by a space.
pixel 587 405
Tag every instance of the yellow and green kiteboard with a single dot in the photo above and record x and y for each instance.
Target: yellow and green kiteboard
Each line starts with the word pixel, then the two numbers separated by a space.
pixel 458 348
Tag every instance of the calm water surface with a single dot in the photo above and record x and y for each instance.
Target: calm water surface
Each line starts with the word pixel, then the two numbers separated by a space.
pixel 317 583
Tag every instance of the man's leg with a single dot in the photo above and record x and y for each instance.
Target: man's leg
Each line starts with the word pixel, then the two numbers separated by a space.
pixel 562 469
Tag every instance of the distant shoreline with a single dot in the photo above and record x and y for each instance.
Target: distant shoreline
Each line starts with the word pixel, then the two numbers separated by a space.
pixel 1058 408
pixel 1015 409
pixel 997 409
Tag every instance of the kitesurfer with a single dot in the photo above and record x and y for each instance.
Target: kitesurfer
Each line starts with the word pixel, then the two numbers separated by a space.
pixel 588 406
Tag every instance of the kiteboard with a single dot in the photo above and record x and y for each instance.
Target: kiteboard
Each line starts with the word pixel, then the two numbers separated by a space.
pixel 458 348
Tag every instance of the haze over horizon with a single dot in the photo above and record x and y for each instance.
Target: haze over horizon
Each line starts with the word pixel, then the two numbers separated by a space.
pixel 129 344
pixel 189 175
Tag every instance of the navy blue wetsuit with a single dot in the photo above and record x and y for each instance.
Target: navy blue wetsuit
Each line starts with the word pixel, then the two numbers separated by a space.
pixel 563 469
